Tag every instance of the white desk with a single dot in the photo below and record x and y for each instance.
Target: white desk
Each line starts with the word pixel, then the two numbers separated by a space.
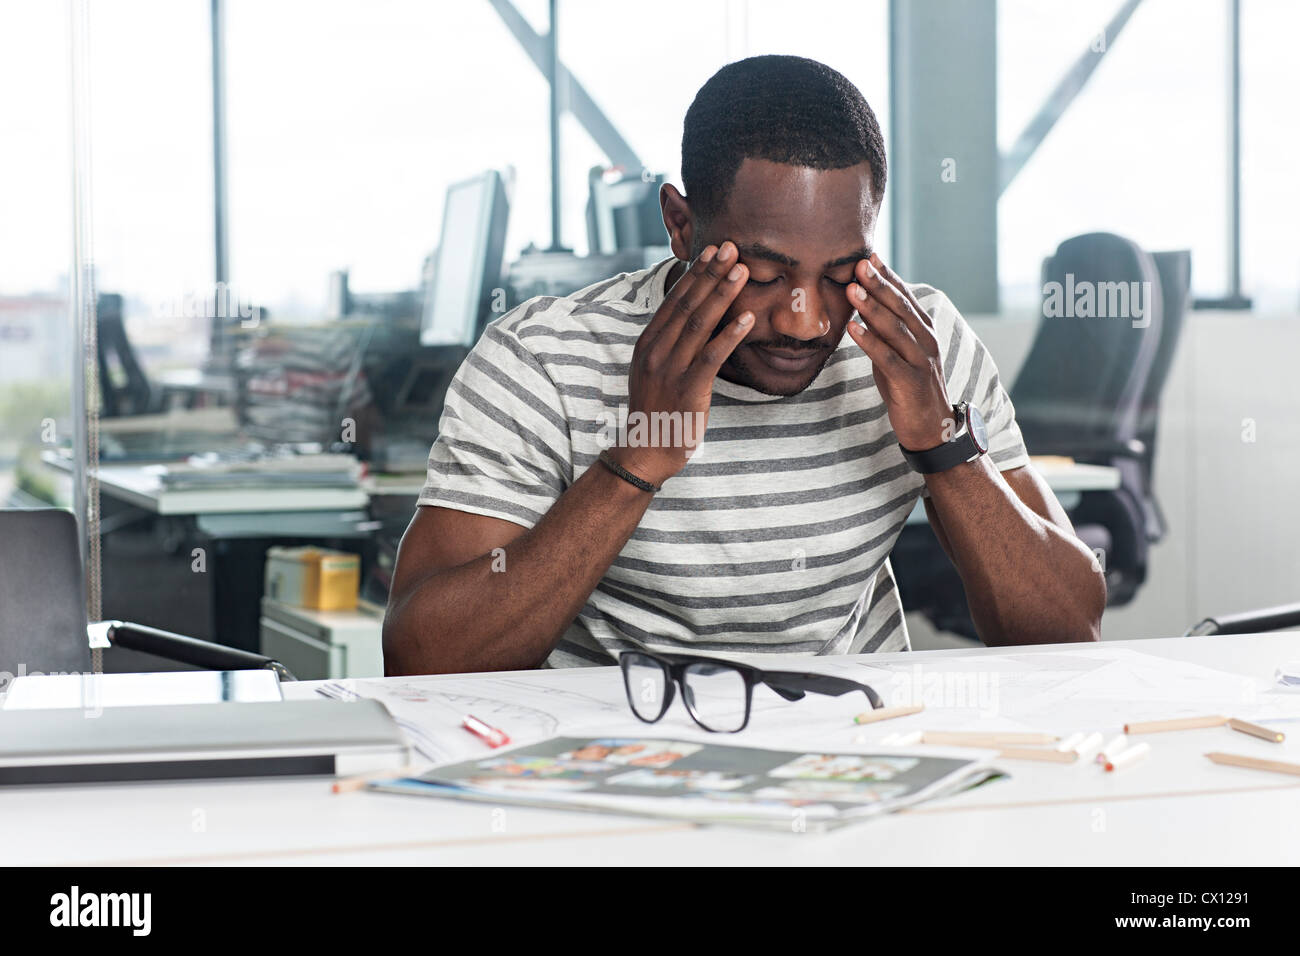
pixel 1176 808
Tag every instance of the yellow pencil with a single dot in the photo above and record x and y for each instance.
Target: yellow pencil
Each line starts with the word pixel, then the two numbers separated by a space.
pixel 1183 723
pixel 1046 756
pixel 349 784
pixel 988 738
pixel 1255 730
pixel 887 713
pixel 1254 763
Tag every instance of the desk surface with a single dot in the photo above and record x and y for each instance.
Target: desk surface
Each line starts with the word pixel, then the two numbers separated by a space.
pixel 1175 808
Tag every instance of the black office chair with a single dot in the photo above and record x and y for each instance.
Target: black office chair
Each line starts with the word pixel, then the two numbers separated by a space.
pixel 43 609
pixel 124 387
pixel 1090 390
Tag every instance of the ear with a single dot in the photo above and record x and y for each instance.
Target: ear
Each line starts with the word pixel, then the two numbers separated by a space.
pixel 678 220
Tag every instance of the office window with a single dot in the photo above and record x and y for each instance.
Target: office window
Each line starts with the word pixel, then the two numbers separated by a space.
pixel 1270 142
pixel 346 124
pixel 36 342
pixel 646 86
pixel 1141 151
pixel 151 135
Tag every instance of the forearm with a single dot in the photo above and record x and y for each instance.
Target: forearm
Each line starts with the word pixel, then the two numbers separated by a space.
pixel 1028 580
pixel 506 611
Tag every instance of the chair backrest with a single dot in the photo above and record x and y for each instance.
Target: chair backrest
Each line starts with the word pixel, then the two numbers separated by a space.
pixel 135 395
pixel 42 594
pixel 1082 384
pixel 1175 270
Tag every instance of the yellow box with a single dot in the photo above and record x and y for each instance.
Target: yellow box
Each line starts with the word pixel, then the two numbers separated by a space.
pixel 315 578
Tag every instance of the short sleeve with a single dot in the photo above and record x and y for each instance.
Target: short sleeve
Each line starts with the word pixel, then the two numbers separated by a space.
pixel 972 376
pixel 503 445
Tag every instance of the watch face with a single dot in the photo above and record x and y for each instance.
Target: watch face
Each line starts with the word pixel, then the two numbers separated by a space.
pixel 977 429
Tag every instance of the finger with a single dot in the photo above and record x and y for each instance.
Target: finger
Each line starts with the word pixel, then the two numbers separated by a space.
pixel 701 293
pixel 663 315
pixel 901 286
pixel 719 348
pixel 887 325
pixel 883 358
pixel 894 298
pixel 699 326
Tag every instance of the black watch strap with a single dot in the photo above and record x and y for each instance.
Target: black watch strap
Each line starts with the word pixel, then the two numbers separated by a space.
pixel 949 454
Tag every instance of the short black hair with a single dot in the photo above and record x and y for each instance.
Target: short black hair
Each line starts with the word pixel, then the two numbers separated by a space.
pixel 786 109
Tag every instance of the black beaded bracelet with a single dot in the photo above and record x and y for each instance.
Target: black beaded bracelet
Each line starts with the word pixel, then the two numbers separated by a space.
pixel 608 461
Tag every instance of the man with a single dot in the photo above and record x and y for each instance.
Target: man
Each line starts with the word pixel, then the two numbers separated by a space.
pixel 831 391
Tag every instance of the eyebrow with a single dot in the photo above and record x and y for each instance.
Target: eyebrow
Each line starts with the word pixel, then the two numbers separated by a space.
pixel 756 250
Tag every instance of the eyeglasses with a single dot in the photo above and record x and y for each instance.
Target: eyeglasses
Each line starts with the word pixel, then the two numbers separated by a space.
pixel 717 693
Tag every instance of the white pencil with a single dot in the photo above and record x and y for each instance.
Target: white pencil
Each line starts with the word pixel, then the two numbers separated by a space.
pixel 1089 745
pixel 1071 742
pixel 1113 746
pixel 1129 756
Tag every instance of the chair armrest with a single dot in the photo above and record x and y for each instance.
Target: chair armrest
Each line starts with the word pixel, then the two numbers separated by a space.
pixel 1280 618
pixel 187 650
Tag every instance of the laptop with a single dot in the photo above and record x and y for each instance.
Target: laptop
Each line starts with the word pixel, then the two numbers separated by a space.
pixel 198 741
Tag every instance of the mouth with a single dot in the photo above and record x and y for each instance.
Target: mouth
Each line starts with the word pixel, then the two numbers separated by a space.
pixel 789 361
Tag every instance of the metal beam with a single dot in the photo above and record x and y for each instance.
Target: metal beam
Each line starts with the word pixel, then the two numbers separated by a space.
pixel 1059 100
pixel 579 101
pixel 220 222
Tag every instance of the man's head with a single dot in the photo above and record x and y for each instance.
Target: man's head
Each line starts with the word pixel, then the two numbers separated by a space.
pixel 782 156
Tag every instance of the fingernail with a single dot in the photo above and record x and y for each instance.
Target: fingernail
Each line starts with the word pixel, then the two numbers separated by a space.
pixel 708 254
pixel 859 293
pixel 735 272
pixel 746 320
pixel 725 250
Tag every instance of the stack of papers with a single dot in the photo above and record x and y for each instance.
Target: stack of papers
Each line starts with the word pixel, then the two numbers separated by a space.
pixel 204 472
pixel 701 782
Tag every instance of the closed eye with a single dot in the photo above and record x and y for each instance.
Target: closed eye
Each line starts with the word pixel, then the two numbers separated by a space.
pixel 842 285
pixel 753 281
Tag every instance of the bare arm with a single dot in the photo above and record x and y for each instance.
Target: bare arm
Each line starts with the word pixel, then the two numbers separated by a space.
pixel 472 593
pixel 1028 578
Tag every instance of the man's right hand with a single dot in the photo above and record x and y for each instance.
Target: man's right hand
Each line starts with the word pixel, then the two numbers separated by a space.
pixel 678 356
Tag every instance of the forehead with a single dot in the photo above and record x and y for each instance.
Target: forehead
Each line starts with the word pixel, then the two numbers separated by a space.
pixel 814 215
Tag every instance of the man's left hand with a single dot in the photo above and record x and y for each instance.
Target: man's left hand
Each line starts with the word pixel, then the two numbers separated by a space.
pixel 899 338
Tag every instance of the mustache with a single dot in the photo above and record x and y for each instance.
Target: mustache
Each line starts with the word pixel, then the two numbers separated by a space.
pixel 789 345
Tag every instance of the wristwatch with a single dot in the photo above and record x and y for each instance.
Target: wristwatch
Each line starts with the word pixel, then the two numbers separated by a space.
pixel 970 441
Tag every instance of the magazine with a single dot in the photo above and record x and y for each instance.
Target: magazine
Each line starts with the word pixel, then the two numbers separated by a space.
pixel 701 782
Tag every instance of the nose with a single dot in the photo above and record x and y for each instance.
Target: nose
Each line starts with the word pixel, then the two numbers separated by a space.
pixel 803 317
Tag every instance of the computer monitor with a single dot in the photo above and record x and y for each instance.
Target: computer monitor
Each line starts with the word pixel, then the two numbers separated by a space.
pixel 623 212
pixel 468 262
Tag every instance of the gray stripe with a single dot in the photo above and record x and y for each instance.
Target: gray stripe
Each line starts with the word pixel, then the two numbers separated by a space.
pixel 770 466
pixel 490 411
pixel 760 599
pixel 791 532
pixel 760 432
pixel 802 497
pixel 595 337
pixel 449 469
pixel 883 632
pixel 600 288
pixel 462 446
pixel 437 497
pixel 814 615
pixel 657 641
pixel 517 390
pixel 953 345
pixel 750 568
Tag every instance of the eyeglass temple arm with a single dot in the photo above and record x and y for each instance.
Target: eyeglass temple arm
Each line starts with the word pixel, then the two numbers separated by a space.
pixel 792 685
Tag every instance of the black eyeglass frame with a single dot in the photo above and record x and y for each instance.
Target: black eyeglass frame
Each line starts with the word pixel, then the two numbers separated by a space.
pixel 792 685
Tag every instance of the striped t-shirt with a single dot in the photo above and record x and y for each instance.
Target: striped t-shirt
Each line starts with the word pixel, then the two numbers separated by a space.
pixel 776 535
